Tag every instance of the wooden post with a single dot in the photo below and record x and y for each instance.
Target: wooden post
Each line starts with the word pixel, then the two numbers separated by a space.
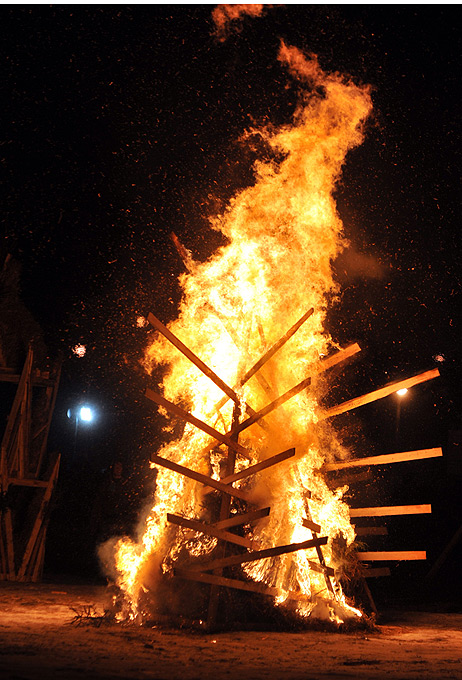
pixel 402 457
pixel 38 521
pixel 379 394
pixel 176 410
pixel 224 514
pixel 390 510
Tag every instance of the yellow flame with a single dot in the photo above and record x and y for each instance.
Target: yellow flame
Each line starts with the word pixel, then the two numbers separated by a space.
pixel 283 233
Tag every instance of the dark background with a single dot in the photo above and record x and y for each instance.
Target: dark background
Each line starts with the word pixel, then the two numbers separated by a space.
pixel 122 125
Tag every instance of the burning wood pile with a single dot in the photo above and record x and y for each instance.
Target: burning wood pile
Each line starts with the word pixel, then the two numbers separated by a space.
pixel 242 501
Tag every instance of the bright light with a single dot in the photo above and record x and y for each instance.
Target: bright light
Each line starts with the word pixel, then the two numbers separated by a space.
pixel 402 392
pixel 86 414
pixel 79 350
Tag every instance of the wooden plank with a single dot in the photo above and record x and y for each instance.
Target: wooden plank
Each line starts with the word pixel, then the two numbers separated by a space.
pixel 154 321
pixel 27 482
pixel 258 467
pixel 370 531
pixel 245 518
pixel 376 572
pixel 250 586
pixel 382 511
pixel 327 571
pixel 233 560
pixel 309 524
pixel 38 521
pixel 50 409
pixel 271 352
pixel 274 404
pixel 198 477
pixel 329 362
pixel 379 394
pixel 392 555
pixel 210 530
pixel 8 525
pixel 402 457
pixel 276 347
pixel 176 410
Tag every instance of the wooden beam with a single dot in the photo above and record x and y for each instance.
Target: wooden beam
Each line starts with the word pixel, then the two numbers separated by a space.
pixel 274 348
pixel 245 518
pixel 390 510
pixel 210 530
pixel 391 556
pixel 271 352
pixel 309 524
pixel 379 394
pixel 176 410
pixel 27 482
pixel 258 467
pixel 274 404
pixel 8 527
pixel 198 477
pixel 329 362
pixel 402 457
pixel 376 572
pixel 370 531
pixel 250 586
pixel 233 560
pixel 154 321
pixel 39 520
pixel 315 566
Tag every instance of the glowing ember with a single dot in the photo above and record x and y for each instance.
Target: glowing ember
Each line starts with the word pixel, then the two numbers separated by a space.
pixel 283 233
pixel 141 321
pixel 79 350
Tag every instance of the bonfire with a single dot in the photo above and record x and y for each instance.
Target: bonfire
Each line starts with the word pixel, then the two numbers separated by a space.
pixel 242 502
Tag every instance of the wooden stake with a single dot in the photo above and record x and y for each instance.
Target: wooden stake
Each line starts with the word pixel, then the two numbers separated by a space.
pixel 176 410
pixel 370 531
pixel 233 560
pixel 390 510
pixel 258 467
pixel 198 477
pixel 274 404
pixel 379 394
pixel 210 530
pixel 193 358
pixel 245 518
pixel 239 585
pixel 312 526
pixel 271 352
pixel 391 556
pixel 375 573
pixel 385 460
pixel 8 525
pixel 38 521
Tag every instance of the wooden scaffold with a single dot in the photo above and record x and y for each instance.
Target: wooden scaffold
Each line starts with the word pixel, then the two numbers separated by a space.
pixel 27 475
pixel 212 572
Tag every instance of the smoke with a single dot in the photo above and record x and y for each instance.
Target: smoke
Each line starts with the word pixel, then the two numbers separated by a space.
pixel 224 15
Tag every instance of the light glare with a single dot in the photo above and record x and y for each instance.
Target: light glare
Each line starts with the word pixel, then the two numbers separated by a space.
pixel 402 392
pixel 86 414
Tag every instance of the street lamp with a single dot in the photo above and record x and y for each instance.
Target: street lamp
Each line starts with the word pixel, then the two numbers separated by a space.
pixel 401 393
pixel 81 414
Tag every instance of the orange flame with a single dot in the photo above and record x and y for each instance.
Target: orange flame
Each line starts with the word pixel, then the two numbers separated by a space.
pixel 283 233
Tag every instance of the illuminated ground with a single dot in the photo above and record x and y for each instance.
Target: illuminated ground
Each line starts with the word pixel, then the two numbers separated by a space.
pixel 38 641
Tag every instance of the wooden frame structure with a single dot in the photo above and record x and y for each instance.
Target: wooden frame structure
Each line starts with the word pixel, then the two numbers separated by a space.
pixel 27 477
pixel 212 573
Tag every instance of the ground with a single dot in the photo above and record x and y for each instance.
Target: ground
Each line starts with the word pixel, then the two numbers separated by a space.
pixel 39 640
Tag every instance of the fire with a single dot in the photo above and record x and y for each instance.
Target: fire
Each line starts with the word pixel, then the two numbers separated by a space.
pixel 283 233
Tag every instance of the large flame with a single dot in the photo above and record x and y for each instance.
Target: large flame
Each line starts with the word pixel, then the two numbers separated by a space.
pixel 283 233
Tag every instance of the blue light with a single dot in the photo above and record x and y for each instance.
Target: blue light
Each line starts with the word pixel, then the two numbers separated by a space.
pixel 86 414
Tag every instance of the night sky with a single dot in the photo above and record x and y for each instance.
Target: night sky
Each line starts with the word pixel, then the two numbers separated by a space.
pixel 121 125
